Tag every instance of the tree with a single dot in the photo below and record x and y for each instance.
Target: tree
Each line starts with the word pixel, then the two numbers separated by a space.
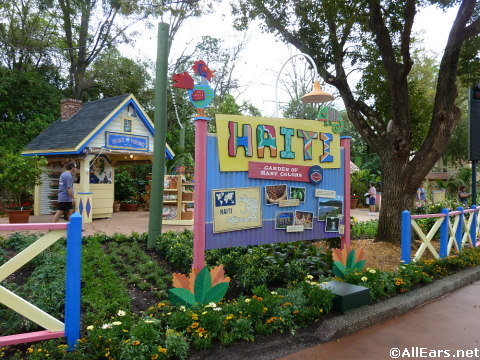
pixel 115 74
pixel 374 39
pixel 89 26
pixel 28 32
pixel 28 104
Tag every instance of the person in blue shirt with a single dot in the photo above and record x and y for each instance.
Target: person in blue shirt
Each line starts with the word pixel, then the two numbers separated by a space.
pixel 66 197
pixel 463 195
pixel 421 194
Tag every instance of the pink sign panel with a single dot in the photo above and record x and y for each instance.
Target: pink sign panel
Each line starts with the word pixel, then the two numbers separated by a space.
pixel 263 170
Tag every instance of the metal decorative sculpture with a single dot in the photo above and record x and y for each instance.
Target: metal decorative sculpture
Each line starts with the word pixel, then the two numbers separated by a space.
pixel 201 95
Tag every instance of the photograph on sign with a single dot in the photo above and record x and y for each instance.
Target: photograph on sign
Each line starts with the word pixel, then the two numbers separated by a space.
pixel 236 209
pixel 304 218
pixel 298 193
pixel 329 208
pixel 275 193
pixel 332 224
pixel 283 219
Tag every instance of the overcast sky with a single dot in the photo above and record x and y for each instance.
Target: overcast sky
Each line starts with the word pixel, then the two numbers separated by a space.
pixel 264 56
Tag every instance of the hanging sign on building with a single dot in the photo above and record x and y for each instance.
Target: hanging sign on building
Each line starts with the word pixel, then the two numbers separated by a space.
pixel 123 141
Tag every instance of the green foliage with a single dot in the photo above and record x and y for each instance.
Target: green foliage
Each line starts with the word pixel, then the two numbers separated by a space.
pixel 176 345
pixel 19 175
pixel 136 267
pixel 265 312
pixel 361 154
pixel 25 114
pixel 435 208
pixel 104 292
pixel 115 74
pixel 359 183
pixel 165 331
pixel 180 158
pixel 364 229
pixel 385 284
pixel 177 249
pixel 130 181
pixel 250 266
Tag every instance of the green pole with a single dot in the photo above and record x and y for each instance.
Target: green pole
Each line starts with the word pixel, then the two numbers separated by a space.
pixel 160 121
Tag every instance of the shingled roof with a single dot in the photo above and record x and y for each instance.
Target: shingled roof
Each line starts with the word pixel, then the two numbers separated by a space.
pixel 70 133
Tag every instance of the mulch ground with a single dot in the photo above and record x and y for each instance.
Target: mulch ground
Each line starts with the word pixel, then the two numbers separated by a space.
pixel 380 255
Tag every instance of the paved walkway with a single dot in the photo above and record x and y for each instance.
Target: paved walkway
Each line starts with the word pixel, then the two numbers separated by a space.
pixel 126 222
pixel 450 323
pixel 362 214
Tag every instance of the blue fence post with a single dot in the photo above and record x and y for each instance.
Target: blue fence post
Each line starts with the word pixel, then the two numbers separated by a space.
pixel 444 234
pixel 459 233
pixel 73 275
pixel 473 227
pixel 406 237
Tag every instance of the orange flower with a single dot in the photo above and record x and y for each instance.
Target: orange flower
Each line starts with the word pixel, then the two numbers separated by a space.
pixel 194 325
pixel 201 331
pixel 272 319
pixel 136 343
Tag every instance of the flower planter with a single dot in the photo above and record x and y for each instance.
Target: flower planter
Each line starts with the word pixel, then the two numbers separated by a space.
pixel 128 207
pixel 18 216
pixel 353 203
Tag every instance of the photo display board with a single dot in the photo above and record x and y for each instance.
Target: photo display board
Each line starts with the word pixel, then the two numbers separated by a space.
pixel 272 180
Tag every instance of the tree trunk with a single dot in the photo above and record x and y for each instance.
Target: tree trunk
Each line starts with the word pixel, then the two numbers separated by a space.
pixel 399 185
pixel 396 198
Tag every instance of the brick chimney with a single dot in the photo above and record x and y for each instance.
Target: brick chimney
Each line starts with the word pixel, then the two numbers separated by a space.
pixel 69 107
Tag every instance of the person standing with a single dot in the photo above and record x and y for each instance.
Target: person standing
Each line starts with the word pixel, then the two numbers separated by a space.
pixel 421 194
pixel 463 195
pixel 66 197
pixel 372 193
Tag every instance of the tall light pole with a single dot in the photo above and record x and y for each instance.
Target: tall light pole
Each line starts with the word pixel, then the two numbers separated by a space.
pixel 317 95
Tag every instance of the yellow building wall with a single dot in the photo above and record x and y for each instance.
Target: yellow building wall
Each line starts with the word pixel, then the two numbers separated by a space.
pixel 102 199
pixel 102 195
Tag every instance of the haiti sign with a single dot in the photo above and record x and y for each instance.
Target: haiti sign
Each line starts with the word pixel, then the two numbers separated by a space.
pixel 273 180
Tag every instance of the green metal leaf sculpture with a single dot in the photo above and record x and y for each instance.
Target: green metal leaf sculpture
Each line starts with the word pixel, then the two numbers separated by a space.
pixel 201 287
pixel 346 260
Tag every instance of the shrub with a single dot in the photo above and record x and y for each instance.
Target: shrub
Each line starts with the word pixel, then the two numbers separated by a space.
pixel 364 229
pixel 250 266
